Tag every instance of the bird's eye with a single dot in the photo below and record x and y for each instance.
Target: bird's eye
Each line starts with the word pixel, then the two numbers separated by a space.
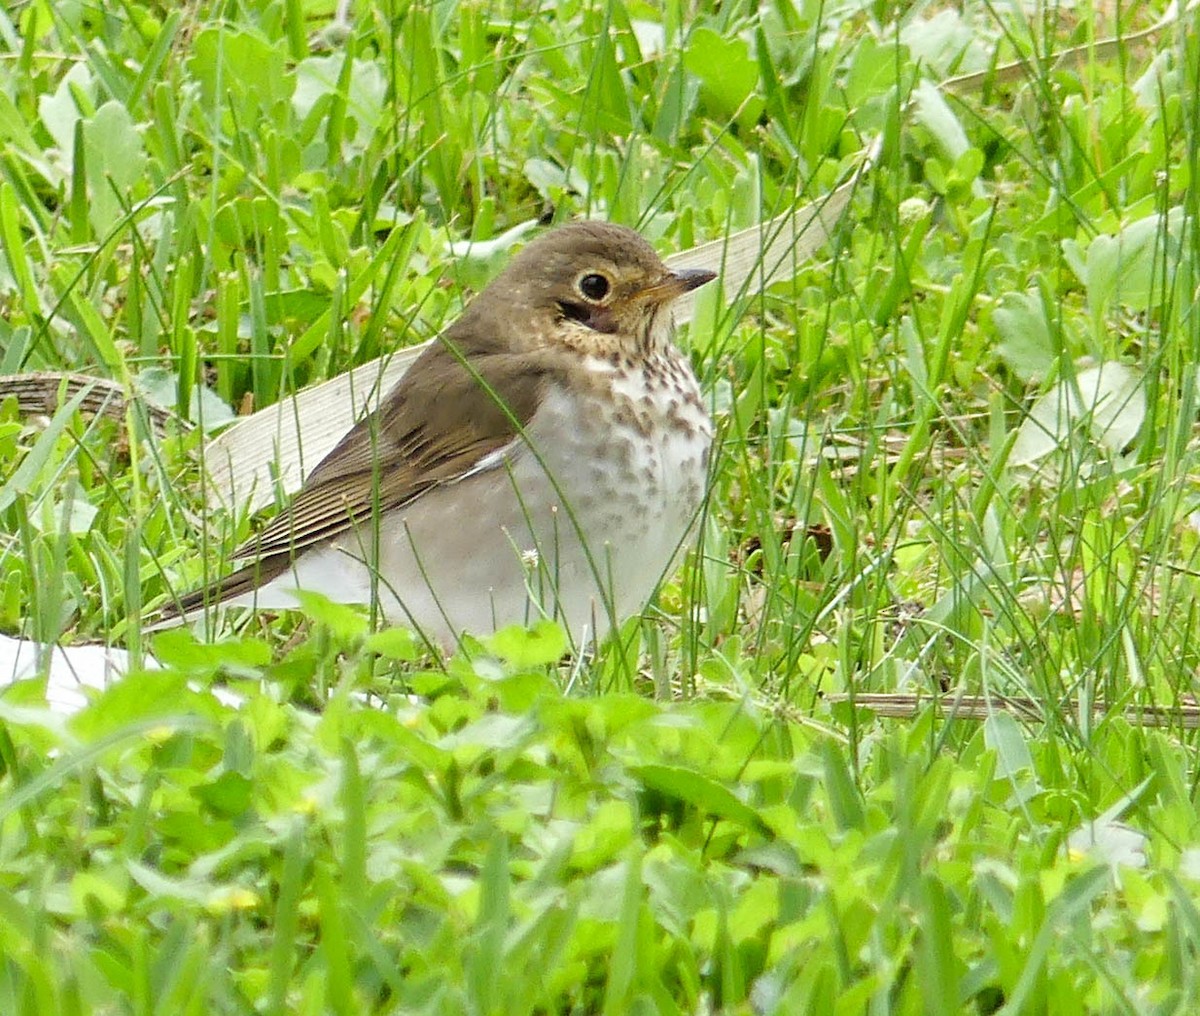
pixel 593 286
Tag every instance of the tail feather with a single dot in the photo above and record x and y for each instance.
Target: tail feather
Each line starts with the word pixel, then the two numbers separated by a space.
pixel 245 580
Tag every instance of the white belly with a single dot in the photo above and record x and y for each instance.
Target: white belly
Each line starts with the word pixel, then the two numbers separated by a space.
pixel 506 545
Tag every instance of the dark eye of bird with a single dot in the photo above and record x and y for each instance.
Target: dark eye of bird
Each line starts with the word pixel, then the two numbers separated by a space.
pixel 593 286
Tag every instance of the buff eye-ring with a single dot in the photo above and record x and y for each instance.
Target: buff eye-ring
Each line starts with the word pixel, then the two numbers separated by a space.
pixel 593 286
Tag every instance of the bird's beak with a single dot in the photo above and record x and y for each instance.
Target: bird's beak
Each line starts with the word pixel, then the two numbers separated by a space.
pixel 674 284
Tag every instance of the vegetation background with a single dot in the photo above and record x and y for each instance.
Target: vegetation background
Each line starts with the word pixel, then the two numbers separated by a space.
pixel 958 462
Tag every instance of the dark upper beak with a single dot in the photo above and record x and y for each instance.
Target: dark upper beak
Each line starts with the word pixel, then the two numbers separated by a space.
pixel 674 284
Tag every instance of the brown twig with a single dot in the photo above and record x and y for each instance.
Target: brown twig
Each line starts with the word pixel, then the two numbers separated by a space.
pixel 44 392
pixel 980 707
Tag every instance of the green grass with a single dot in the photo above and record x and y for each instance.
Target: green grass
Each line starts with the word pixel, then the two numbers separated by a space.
pixel 958 455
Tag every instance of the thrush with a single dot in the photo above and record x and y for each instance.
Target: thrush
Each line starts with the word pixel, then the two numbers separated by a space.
pixel 544 457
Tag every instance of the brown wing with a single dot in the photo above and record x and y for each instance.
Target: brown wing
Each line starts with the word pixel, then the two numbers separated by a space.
pixel 441 419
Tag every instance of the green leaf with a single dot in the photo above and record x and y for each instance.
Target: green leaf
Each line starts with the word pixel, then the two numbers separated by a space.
pixel 286 922
pixel 937 965
pixel 485 954
pixel 178 647
pixel 336 948
pixel 344 621
pixel 727 71
pixel 940 42
pixel 626 957
pixel 164 890
pixel 845 801
pixel 1005 737
pixel 115 162
pixel 1078 895
pixel 317 76
pixel 543 644
pixel 933 112
pixel 394 644
pixel 1027 344
pixel 1127 269
pixel 1109 399
pixel 23 478
pixel 11 217
pixel 60 111
pixel 243 63
pixel 229 795
pixel 161 385
pixel 72 513
pixel 701 792
pixel 149 695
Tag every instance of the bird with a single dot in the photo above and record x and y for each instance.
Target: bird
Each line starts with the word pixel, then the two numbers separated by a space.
pixel 545 457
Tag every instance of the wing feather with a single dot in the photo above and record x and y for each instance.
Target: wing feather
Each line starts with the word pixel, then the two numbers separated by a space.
pixel 435 426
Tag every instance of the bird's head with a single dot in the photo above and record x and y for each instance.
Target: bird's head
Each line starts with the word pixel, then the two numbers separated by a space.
pixel 592 286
